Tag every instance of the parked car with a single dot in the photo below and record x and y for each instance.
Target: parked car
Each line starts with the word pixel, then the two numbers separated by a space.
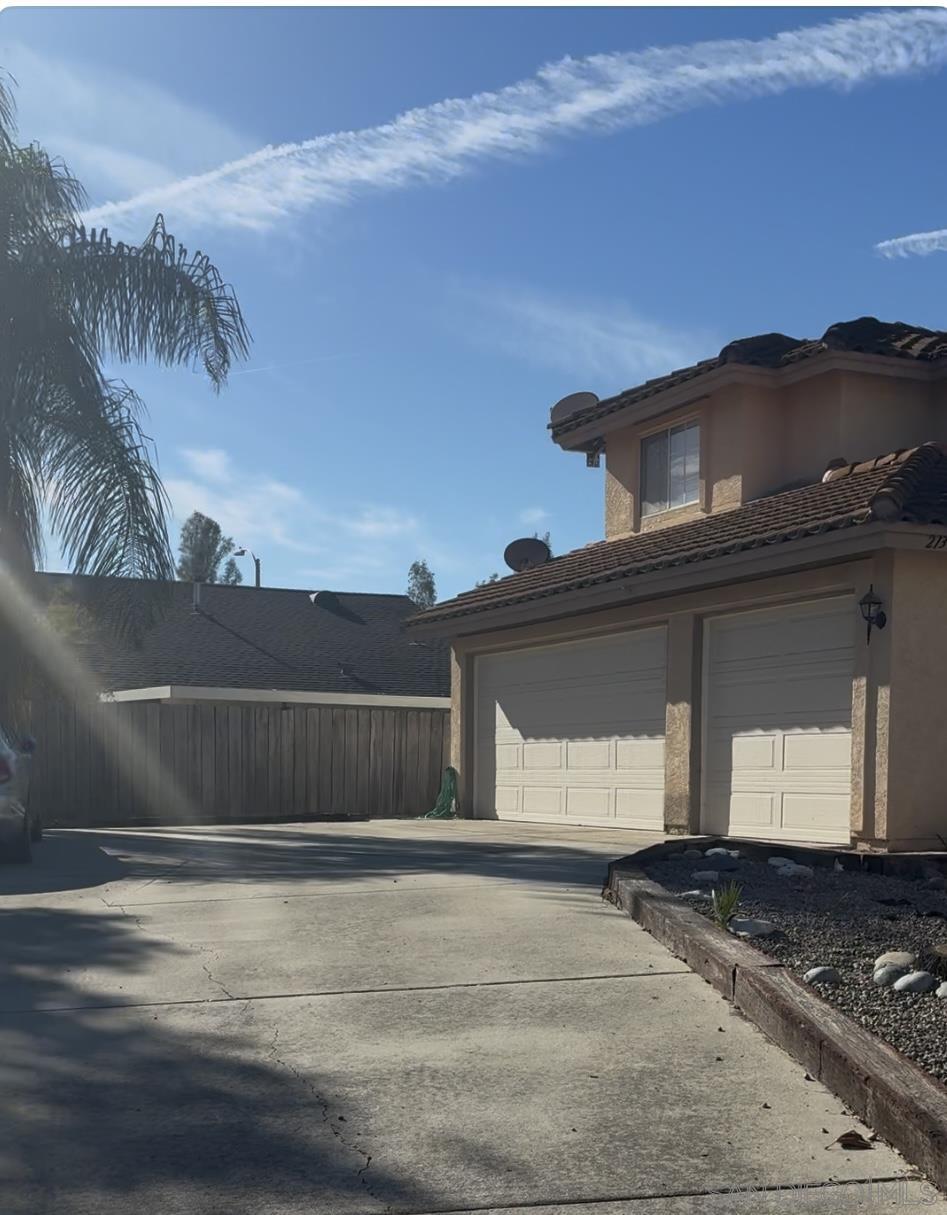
pixel 18 829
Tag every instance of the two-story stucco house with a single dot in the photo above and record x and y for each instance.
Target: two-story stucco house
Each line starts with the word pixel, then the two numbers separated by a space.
pixel 708 665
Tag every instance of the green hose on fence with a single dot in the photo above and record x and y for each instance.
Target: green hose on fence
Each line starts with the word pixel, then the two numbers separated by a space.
pixel 447 798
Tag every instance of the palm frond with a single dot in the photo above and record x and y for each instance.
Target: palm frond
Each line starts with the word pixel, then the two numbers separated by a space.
pixel 154 300
pixel 107 504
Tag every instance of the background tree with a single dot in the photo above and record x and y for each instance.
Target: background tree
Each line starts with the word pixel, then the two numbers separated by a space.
pixel 72 450
pixel 202 549
pixel 421 588
pixel 231 575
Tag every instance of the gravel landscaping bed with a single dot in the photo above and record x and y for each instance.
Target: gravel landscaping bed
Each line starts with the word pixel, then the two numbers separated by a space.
pixel 845 921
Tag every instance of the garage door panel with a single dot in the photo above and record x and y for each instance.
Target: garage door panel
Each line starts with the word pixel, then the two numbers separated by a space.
pixel 818 752
pixel 542 799
pixel 640 808
pixel 778 700
pixel 589 755
pixel 508 799
pixel 816 814
pixel 564 725
pixel 542 755
pixel 593 802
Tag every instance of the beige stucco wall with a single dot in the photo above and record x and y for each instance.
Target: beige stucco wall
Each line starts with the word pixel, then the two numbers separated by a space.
pixel 914 793
pixel 759 438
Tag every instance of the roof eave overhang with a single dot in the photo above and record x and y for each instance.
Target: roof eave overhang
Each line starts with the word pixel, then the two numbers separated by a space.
pixel 840 545
pixel 597 428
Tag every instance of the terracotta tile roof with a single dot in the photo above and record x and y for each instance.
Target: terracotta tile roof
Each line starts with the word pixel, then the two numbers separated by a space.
pixel 909 486
pixel 867 335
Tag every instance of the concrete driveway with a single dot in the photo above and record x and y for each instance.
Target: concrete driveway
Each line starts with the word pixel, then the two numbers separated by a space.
pixel 389 1016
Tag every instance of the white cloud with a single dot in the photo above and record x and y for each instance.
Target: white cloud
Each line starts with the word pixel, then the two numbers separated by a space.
pixel 117 133
pixel 598 93
pixel 919 244
pixel 602 338
pixel 209 462
pixel 360 542
pixel 377 523
pixel 533 515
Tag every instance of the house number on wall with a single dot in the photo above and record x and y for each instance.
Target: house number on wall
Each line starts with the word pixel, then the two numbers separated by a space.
pixel 936 542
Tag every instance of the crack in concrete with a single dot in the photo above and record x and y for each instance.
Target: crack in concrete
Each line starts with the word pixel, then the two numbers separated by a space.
pixel 734 1191
pixel 332 1123
pixel 131 915
pixel 217 982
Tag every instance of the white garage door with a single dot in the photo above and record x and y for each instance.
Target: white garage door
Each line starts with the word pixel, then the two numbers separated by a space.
pixel 574 733
pixel 778 723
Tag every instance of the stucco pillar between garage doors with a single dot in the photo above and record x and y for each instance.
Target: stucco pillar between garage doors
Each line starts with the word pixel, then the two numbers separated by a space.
pixel 682 725
pixel 462 713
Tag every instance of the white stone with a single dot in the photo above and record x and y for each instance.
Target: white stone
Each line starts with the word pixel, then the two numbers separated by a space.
pixel 821 974
pixel 885 975
pixel 742 927
pixel 705 875
pixel 794 870
pixel 717 852
pixel 896 957
pixel 941 992
pixel 917 980
pixel 778 861
pixel 692 894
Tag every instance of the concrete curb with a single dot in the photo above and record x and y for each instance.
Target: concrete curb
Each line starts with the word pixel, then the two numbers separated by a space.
pixel 902 1103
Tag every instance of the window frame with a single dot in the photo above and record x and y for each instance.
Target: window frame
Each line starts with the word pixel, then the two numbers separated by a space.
pixel 685 424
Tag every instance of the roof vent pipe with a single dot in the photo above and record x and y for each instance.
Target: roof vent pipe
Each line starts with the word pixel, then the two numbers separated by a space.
pixel 196 596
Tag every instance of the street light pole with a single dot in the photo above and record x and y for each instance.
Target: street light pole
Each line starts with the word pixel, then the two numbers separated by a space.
pixel 246 552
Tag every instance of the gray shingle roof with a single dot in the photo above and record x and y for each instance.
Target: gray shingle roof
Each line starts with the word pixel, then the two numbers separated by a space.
pixel 244 637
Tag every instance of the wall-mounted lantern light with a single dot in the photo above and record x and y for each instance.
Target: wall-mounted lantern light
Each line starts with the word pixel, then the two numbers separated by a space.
pixel 872 612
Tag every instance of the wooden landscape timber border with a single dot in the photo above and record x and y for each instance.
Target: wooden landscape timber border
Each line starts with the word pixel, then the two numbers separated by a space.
pixel 902 1103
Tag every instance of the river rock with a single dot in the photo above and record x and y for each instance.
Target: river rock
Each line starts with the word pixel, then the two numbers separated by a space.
pixel 741 926
pixel 896 957
pixel 778 861
pixel 705 875
pixel 941 992
pixel 821 974
pixel 794 870
pixel 888 974
pixel 916 981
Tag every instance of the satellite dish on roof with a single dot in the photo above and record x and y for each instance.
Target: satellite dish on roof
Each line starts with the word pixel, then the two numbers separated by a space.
pixel 526 554
pixel 574 403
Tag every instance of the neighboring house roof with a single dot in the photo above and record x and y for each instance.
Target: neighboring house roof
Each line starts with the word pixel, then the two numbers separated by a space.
pixel 248 637
pixel 907 486
pixel 867 335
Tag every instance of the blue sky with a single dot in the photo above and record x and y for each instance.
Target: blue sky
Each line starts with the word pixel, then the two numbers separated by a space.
pixel 421 293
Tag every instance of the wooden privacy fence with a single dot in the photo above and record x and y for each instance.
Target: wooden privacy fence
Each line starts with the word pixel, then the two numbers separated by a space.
pixel 148 763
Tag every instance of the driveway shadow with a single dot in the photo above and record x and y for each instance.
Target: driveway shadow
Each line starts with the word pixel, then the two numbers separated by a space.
pixel 267 855
pixel 63 860
pixel 168 1108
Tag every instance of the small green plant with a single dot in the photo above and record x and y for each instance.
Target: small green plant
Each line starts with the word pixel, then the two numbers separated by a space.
pixel 726 900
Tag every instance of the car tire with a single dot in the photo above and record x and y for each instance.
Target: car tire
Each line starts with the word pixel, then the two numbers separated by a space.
pixel 20 851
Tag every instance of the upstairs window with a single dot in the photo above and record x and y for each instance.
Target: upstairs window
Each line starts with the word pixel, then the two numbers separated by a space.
pixel 670 468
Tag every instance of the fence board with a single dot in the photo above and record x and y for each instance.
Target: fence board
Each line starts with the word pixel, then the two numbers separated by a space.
pixel 115 764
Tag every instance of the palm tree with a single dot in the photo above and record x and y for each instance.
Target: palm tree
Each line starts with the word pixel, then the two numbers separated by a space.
pixel 72 450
